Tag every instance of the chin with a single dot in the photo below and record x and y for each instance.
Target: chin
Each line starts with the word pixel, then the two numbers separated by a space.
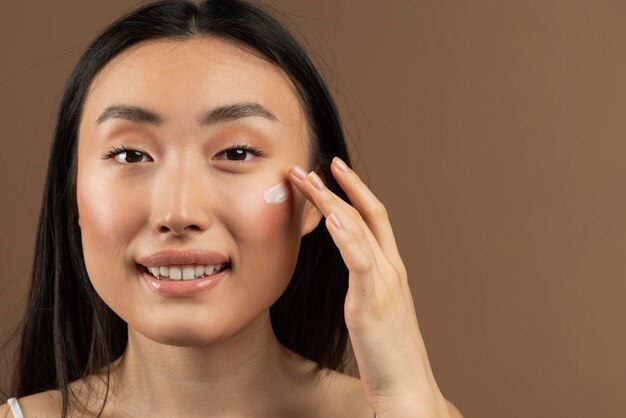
pixel 183 334
pixel 181 338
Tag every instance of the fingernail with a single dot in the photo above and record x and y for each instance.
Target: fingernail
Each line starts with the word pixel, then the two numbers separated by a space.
pixel 317 182
pixel 299 172
pixel 335 221
pixel 340 164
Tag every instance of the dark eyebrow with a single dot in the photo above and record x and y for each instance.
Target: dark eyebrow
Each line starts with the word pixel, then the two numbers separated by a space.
pixel 218 114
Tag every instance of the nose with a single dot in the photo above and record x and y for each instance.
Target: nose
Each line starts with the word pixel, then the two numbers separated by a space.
pixel 179 201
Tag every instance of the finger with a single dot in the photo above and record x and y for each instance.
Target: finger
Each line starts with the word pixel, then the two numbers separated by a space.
pixel 353 248
pixel 369 206
pixel 299 178
pixel 349 234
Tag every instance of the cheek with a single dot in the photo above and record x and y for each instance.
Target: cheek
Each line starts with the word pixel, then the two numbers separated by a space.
pixel 254 219
pixel 106 223
pixel 267 234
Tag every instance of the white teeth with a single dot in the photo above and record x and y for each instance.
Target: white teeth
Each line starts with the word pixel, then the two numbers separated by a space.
pixel 188 273
pixel 185 272
pixel 175 273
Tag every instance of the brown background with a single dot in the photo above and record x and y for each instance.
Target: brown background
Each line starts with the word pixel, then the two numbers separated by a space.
pixel 493 133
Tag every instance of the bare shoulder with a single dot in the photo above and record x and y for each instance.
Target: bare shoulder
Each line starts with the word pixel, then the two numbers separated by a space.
pixel 41 405
pixel 5 412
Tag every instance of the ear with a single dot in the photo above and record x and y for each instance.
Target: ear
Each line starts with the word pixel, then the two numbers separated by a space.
pixel 311 218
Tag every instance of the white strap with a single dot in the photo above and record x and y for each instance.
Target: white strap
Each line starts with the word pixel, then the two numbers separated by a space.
pixel 15 408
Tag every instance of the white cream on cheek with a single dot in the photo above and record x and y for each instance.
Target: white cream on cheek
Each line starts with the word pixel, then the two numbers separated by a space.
pixel 277 194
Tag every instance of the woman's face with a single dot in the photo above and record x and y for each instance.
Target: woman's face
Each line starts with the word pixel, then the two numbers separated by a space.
pixel 180 190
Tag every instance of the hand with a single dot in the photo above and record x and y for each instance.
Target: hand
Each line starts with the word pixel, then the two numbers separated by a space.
pixel 379 313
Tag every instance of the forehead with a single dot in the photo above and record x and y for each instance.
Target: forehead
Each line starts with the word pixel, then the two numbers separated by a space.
pixel 180 79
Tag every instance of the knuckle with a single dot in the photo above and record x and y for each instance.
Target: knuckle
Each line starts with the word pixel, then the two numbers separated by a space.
pixel 326 198
pixel 359 233
pixel 380 210
pixel 363 265
pixel 353 211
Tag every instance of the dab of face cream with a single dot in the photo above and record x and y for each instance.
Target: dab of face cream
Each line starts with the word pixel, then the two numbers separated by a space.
pixel 277 194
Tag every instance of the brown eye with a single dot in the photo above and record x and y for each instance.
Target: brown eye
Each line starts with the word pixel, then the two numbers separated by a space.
pixel 240 152
pixel 127 155
pixel 237 154
pixel 132 156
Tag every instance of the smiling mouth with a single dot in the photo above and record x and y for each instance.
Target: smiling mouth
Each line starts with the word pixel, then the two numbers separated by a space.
pixel 215 271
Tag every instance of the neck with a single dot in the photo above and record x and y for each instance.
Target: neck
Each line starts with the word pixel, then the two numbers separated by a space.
pixel 243 375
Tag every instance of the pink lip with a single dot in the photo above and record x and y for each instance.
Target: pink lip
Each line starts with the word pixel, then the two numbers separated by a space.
pixel 185 257
pixel 182 288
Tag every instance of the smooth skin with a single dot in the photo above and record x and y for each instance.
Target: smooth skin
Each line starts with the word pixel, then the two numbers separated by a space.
pixel 216 355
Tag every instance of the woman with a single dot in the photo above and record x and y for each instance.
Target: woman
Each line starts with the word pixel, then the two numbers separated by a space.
pixel 182 267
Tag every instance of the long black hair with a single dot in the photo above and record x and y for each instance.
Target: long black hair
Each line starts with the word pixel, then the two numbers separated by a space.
pixel 68 332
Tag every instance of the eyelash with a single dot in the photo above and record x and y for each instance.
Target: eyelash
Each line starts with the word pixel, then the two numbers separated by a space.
pixel 243 146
